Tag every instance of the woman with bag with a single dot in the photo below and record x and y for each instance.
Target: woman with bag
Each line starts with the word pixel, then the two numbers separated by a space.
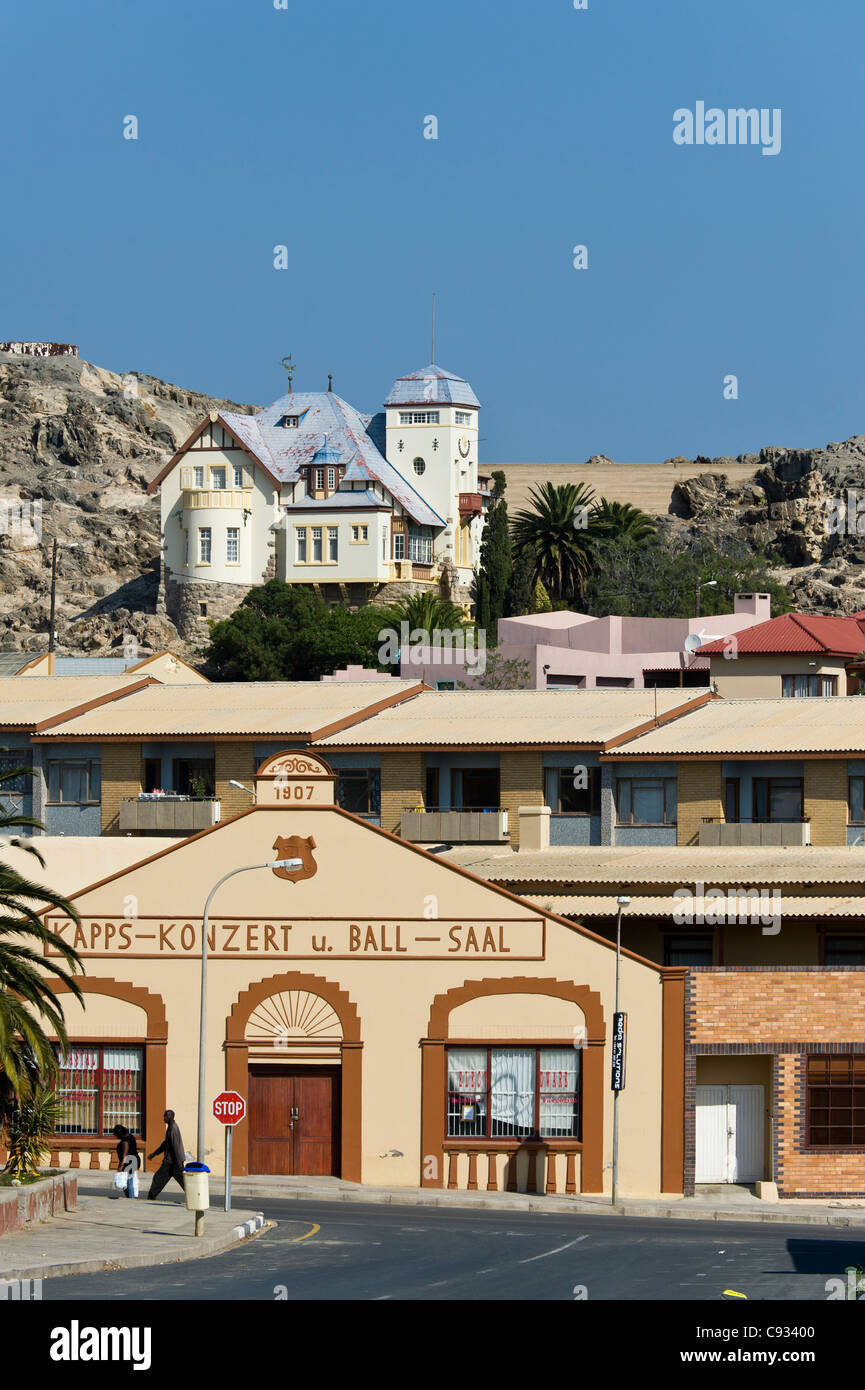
pixel 128 1162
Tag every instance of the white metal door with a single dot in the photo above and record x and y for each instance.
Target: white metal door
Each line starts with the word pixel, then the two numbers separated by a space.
pixel 712 1139
pixel 746 1146
pixel 729 1133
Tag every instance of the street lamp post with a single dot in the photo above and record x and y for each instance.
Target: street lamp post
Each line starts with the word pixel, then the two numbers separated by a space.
pixel 709 584
pixel 202 1022
pixel 622 901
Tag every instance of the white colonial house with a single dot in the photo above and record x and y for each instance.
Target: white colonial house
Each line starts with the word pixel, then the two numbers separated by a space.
pixel 310 491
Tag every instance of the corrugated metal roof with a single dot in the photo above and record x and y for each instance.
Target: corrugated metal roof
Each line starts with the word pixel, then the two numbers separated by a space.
pixel 29 700
pixel 623 866
pixel 326 420
pixel 487 718
pixel 734 728
pixel 795 632
pixel 266 708
pixel 431 386
pixel 12 662
pixel 570 905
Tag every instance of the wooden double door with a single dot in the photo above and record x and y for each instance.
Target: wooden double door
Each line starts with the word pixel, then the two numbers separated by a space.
pixel 294 1120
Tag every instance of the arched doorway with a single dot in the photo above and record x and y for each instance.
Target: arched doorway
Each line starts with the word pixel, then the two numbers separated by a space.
pixel 293 1049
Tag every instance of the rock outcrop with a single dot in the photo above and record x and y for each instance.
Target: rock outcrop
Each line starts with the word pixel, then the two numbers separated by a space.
pixel 78 447
pixel 805 508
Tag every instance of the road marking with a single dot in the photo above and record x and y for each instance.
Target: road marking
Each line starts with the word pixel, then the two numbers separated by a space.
pixel 294 1240
pixel 557 1251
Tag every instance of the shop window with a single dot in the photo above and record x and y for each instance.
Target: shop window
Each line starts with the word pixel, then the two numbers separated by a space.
pixel 100 1087
pixel 359 791
pixel 579 800
pixel 688 950
pixel 646 800
pixel 836 1102
pixel 513 1093
pixel 74 781
pixel 844 950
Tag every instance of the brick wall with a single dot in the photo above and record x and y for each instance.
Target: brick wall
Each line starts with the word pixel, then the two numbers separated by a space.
pixel 779 1006
pixel 699 795
pixel 233 760
pixel 122 774
pixel 826 801
pixel 791 1013
pixel 403 783
pixel 521 783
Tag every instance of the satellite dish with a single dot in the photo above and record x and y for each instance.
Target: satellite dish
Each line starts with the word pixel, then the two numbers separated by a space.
pixel 692 642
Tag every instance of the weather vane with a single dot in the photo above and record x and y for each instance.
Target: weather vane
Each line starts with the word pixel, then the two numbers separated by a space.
pixel 290 368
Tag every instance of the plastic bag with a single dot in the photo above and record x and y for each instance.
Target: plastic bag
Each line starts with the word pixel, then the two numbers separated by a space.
pixel 119 1184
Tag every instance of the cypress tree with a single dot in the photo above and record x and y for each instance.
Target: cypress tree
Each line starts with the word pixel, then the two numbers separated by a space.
pixel 494 572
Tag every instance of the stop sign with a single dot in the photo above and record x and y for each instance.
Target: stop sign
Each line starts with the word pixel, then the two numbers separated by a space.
pixel 229 1108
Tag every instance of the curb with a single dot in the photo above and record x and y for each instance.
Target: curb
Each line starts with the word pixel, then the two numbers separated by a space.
pixel 395 1197
pixel 208 1245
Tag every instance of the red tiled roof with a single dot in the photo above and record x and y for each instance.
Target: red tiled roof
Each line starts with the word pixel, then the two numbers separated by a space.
pixel 797 632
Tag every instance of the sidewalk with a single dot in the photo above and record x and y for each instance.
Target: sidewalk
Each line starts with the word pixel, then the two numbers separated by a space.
pixel 104 1233
pixel 721 1203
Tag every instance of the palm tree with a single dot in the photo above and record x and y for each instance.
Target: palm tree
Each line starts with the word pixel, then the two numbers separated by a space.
pixel 426 611
pixel 619 521
pixel 27 1000
pixel 558 533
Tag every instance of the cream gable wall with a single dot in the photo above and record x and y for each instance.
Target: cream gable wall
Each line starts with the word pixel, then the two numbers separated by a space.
pixel 369 878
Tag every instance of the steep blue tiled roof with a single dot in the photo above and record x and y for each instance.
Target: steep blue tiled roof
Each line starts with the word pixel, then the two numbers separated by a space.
pixel 326 421
pixel 343 500
pixel 432 386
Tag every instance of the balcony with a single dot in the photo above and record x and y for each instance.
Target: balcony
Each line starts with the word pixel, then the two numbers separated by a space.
pixel 479 826
pixel 471 504
pixel 227 498
pixel 167 815
pixel 749 833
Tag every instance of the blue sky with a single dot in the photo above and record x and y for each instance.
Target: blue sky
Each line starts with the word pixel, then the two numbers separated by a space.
pixel 303 127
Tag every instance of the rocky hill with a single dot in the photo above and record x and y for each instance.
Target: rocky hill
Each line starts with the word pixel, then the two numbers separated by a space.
pixel 78 447
pixel 805 508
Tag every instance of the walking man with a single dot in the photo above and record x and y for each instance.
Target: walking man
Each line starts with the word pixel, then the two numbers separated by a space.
pixel 173 1155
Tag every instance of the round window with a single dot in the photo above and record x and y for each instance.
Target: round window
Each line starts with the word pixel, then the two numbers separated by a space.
pixel 419 466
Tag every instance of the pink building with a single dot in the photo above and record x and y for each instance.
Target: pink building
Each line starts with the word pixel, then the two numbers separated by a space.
pixel 574 650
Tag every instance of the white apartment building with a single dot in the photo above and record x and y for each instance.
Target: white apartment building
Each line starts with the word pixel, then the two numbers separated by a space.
pixel 310 491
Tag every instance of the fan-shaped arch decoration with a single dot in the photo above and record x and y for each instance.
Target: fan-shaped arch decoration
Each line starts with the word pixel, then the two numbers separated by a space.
pixel 295 1015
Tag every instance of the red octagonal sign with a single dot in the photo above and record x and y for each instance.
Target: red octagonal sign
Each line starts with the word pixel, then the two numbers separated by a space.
pixel 229 1108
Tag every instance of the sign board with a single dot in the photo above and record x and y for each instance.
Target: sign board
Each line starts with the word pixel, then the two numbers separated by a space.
pixel 620 1038
pixel 229 1108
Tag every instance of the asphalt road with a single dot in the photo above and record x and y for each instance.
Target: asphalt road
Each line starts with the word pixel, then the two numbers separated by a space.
pixel 340 1251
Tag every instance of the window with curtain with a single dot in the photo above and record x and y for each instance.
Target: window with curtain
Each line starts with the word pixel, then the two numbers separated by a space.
pixel 101 1086
pixel 513 1092
pixel 646 800
pixel 75 781
pixel 808 686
